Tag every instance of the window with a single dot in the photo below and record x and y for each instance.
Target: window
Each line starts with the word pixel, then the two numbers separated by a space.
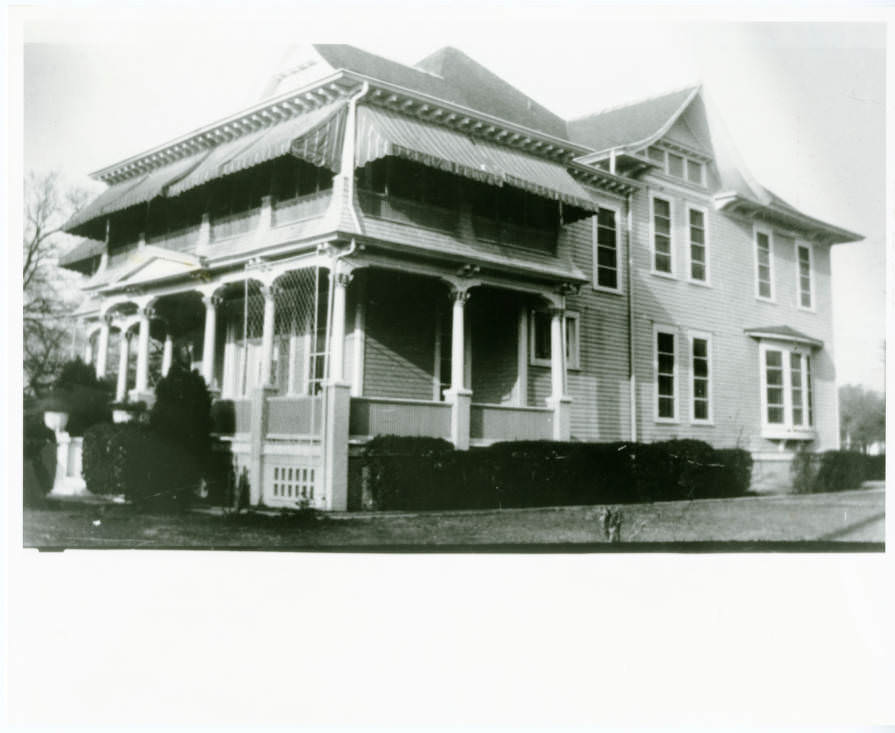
pixel 694 172
pixel 606 250
pixel 540 340
pixel 675 165
pixel 804 256
pixel 666 375
pixel 787 389
pixel 700 369
pixel 662 252
pixel 657 155
pixel 764 265
pixel 698 245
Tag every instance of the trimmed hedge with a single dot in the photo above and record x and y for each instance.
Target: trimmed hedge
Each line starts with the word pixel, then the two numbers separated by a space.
pixel 834 470
pixel 427 473
pixel 96 458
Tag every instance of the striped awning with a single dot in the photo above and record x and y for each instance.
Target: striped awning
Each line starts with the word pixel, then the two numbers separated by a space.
pixel 382 133
pixel 314 136
pixel 135 191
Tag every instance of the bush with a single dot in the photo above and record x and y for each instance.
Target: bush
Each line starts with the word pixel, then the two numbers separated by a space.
pixel 96 458
pixel 38 467
pixel 417 474
pixel 182 412
pixel 832 470
pixel 876 468
pixel 78 392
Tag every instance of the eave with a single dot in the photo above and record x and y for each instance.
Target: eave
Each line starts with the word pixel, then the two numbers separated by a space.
pixel 604 180
pixel 736 204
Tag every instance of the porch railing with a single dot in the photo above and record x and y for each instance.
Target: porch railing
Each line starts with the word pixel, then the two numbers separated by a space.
pixel 294 416
pixel 231 417
pixel 406 211
pixel 515 235
pixel 391 416
pixel 182 240
pixel 499 422
pixel 302 207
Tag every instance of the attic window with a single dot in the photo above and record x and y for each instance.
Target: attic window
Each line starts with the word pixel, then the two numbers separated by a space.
pixel 677 165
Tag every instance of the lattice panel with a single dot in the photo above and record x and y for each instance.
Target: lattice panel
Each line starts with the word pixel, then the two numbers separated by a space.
pixel 293 483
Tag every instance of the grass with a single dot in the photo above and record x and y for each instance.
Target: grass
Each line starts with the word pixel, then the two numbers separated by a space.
pixel 843 517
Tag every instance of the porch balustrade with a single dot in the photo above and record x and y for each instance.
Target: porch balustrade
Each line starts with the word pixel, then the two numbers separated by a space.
pixel 242 222
pixel 294 416
pixel 372 416
pixel 500 422
pixel 303 207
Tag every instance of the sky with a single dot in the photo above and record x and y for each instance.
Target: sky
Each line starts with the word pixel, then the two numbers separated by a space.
pixel 803 102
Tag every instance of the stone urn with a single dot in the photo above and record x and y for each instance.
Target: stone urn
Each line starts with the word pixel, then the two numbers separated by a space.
pixel 56 420
pixel 68 481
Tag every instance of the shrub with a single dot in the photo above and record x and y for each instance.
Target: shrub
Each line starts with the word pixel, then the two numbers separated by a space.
pixel 829 471
pixel 876 468
pixel 78 392
pixel 38 466
pixel 35 435
pixel 415 474
pixel 182 412
pixel 96 458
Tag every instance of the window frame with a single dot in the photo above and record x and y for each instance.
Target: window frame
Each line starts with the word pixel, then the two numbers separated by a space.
pixel 710 392
pixel 811 280
pixel 618 252
pixel 573 360
pixel 671 238
pixel 787 430
pixel 707 282
pixel 767 231
pixel 673 332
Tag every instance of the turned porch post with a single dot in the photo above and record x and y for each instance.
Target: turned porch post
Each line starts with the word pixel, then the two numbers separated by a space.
pixel 559 401
pixel 102 352
pixel 208 344
pixel 142 381
pixel 337 330
pixel 121 387
pixel 270 299
pixel 459 396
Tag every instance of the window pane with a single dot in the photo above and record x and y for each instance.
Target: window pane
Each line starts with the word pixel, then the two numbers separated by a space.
pixel 694 171
pixel 665 342
pixel 607 278
pixel 666 407
pixel 775 415
pixel 663 263
pixel 606 218
pixel 701 410
pixel 656 154
pixel 675 165
pixel 662 208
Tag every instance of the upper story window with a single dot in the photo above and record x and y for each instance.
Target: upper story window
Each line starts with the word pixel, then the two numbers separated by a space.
pixel 678 165
pixel 764 264
pixel 804 273
pixel 787 402
pixel 540 339
pixel 606 250
pixel 662 226
pixel 697 224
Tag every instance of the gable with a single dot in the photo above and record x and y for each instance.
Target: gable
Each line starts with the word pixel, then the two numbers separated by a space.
pixel 150 264
pixel 682 134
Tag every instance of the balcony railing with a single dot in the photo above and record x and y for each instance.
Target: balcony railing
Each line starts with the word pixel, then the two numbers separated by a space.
pixel 181 240
pixel 241 222
pixel 406 211
pixel 302 207
pixel 514 235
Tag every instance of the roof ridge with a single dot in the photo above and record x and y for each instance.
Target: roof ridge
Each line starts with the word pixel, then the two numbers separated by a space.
pixel 633 102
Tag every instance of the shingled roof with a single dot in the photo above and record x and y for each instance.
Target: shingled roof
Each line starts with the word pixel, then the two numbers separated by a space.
pixel 629 123
pixel 451 75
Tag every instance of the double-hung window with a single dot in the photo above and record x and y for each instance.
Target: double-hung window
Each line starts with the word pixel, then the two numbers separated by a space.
pixel 665 345
pixel 787 389
pixel 804 273
pixel 541 341
pixel 607 263
pixel 701 375
pixel 764 264
pixel 697 225
pixel 663 259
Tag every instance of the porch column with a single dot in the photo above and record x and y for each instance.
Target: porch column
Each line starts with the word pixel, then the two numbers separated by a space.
pixel 337 329
pixel 270 298
pixel 88 351
pixel 559 401
pixel 102 353
pixel 121 388
pixel 208 344
pixel 167 354
pixel 459 396
pixel 142 382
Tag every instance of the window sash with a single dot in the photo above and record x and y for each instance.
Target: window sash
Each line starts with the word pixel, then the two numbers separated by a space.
pixel 806 294
pixel 700 352
pixel 698 245
pixel 788 400
pixel 662 228
pixel 665 344
pixel 606 254
pixel 764 263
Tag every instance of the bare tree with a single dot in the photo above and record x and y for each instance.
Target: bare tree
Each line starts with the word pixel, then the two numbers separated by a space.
pixel 48 327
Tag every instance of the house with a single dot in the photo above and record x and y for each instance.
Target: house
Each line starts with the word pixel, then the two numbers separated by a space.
pixel 375 248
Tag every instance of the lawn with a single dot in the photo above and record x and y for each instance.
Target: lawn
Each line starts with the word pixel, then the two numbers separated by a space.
pixel 835 519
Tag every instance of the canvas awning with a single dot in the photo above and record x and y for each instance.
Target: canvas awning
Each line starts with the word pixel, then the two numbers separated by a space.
pixel 381 133
pixel 314 136
pixel 135 191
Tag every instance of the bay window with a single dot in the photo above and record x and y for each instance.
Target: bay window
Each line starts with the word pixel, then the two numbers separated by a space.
pixel 787 400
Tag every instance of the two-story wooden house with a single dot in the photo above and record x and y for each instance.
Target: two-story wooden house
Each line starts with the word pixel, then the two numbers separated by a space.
pixel 375 248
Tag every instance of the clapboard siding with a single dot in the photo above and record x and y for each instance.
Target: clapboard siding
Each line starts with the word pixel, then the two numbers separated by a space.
pixel 724 310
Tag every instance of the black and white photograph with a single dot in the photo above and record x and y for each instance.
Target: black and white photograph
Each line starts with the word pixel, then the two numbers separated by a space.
pixel 493 285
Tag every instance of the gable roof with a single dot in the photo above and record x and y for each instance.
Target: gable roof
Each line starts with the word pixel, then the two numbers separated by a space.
pixel 632 123
pixel 783 333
